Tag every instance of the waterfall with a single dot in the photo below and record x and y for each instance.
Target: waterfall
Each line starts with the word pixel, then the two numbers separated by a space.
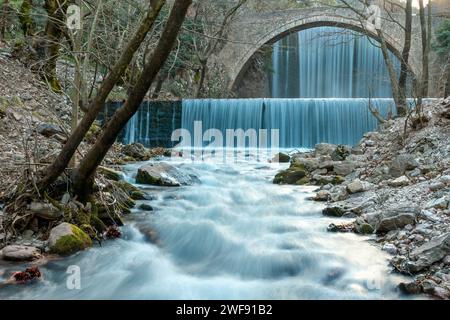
pixel 329 62
pixel 301 122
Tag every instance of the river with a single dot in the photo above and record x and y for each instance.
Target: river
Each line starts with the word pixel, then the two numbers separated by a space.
pixel 235 235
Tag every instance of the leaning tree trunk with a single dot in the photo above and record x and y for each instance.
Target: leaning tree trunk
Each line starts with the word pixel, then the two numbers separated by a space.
pixel 401 110
pixel 83 175
pixel 404 69
pixel 52 172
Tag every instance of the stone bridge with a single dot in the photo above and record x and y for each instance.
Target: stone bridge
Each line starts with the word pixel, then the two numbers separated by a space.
pixel 249 33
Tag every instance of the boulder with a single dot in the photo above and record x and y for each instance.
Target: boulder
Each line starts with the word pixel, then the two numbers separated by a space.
pixel 324 180
pixel 45 211
pixel 48 130
pixel 355 186
pixel 441 203
pixel 293 175
pixel 20 253
pixel 344 168
pixel 399 182
pixel 308 164
pixel 322 195
pixel 281 158
pixel 334 211
pixel 401 164
pixel 433 251
pixel 390 248
pixel 146 207
pixel 66 239
pixel 324 149
pixel 397 218
pixel 163 174
pixel 136 151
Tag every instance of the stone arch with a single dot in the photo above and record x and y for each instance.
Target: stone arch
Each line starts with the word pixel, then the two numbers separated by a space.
pixel 241 54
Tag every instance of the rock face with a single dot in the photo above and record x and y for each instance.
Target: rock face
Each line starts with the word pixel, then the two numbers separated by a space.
pixel 163 174
pixel 45 211
pixel 66 239
pixel 20 253
pixel 433 251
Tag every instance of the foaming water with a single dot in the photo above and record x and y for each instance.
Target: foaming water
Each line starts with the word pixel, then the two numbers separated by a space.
pixel 233 236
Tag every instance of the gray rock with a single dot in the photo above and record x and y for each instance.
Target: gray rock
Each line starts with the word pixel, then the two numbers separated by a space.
pixel 399 182
pixel 355 186
pixel 310 164
pixel 146 207
pixel 397 218
pixel 369 143
pixel 46 211
pixel 322 195
pixel 324 149
pixel 441 203
pixel 436 186
pixel 163 174
pixel 390 248
pixel 66 239
pixel 433 251
pixel 136 151
pixel 401 164
pixel 344 168
pixel 446 260
pixel 20 253
pixel 48 129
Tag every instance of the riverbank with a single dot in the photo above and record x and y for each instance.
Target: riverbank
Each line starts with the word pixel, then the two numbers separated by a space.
pixel 395 184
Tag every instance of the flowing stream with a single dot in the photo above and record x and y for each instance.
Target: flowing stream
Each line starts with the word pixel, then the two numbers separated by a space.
pixel 235 235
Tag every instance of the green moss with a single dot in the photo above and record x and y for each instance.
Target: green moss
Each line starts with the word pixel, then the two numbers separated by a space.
pixel 72 243
pixel 365 228
pixel 303 181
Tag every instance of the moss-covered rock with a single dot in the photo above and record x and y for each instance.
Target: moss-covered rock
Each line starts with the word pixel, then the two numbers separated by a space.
pixel 110 174
pixel 293 175
pixel 66 239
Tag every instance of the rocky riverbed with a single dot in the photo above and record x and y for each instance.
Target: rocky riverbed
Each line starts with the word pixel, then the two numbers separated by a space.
pixel 395 184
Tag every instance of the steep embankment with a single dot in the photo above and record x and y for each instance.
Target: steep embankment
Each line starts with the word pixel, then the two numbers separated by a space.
pixel 396 184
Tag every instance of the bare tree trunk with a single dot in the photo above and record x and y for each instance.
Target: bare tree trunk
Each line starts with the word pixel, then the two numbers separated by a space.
pixel 401 109
pixel 83 176
pixel 58 166
pixel 404 69
pixel 53 34
pixel 159 84
pixel 425 51
pixel 203 70
pixel 3 25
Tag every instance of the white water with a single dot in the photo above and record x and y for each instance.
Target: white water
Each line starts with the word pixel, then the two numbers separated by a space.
pixel 234 236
